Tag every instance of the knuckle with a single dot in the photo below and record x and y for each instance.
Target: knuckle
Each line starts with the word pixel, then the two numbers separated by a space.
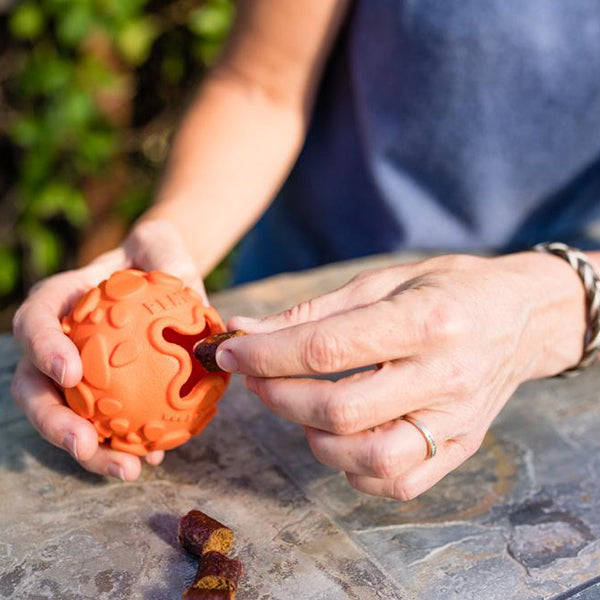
pixel 364 276
pixel 403 490
pixel 317 450
pixel 384 461
pixel 299 313
pixel 470 417
pixel 375 283
pixel 458 381
pixel 341 416
pixel 41 420
pixel 470 444
pixel 455 262
pixel 325 353
pixel 272 399
pixel 38 344
pixel 442 321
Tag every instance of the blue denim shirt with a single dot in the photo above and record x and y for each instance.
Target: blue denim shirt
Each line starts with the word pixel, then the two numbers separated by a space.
pixel 454 125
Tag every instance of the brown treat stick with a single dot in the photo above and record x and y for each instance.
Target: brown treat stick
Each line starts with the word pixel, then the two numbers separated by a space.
pixel 193 593
pixel 216 573
pixel 206 350
pixel 198 533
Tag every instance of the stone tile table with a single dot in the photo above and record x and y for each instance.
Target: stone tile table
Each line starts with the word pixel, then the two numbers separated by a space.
pixel 521 519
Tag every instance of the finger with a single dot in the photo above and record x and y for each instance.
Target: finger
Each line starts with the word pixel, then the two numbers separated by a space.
pixel 391 328
pixel 155 457
pixel 58 424
pixel 113 463
pixel 37 327
pixel 384 452
pixel 357 402
pixel 157 245
pixel 366 288
pixel 418 480
pixel 44 408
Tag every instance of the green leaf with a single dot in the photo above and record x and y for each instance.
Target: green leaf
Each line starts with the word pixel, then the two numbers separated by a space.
pixel 45 247
pixel 93 74
pixel 136 38
pixel 59 198
pixel 37 166
pixel 25 131
pixel 9 270
pixel 68 117
pixel 27 21
pixel 77 108
pixel 206 50
pixel 212 20
pixel 119 9
pixel 95 149
pixel 45 72
pixel 74 23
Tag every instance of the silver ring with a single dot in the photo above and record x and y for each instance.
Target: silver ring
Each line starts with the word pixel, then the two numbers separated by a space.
pixel 431 447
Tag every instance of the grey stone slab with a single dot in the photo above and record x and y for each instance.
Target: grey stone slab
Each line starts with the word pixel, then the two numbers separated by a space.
pixel 9 356
pixel 591 592
pixel 69 534
pixel 521 519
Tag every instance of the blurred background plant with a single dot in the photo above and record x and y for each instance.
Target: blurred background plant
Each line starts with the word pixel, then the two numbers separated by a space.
pixel 90 94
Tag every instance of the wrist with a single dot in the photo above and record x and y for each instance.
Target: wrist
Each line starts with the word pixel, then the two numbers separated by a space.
pixel 553 298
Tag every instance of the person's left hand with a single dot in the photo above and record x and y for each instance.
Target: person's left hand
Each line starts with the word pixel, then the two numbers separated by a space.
pixel 452 337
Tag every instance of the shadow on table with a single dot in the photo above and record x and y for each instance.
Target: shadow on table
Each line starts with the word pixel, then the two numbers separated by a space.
pixel 21 440
pixel 179 567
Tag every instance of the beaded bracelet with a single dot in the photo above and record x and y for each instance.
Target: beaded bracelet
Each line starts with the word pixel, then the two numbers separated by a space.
pixel 591 283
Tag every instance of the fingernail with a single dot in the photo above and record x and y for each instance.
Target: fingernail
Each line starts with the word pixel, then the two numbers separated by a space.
pixel 70 445
pixel 226 361
pixel 59 369
pixel 115 470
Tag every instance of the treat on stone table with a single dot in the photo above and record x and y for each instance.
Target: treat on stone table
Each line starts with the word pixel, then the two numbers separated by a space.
pixel 198 594
pixel 206 349
pixel 198 534
pixel 216 573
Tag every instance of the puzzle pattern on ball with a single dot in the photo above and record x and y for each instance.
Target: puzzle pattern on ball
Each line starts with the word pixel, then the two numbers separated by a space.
pixel 142 388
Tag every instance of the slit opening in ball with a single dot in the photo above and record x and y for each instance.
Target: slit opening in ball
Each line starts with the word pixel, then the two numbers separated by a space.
pixel 187 342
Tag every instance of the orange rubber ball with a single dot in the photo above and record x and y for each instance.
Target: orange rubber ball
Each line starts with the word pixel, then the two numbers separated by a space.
pixel 142 388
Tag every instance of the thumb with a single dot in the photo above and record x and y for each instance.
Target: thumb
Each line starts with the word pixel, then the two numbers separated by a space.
pixel 158 245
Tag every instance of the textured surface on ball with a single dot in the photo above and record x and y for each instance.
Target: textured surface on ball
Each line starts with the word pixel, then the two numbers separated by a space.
pixel 141 388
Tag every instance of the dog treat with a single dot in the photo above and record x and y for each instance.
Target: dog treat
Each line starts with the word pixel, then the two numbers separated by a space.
pixel 206 350
pixel 198 534
pixel 218 572
pixel 193 593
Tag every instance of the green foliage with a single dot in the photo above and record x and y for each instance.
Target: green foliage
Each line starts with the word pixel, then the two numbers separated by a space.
pixel 27 21
pixel 91 89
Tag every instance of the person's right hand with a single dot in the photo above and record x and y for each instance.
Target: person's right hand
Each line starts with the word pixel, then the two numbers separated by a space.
pixel 51 354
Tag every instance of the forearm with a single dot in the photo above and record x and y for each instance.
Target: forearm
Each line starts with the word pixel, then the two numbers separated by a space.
pixel 231 155
pixel 247 126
